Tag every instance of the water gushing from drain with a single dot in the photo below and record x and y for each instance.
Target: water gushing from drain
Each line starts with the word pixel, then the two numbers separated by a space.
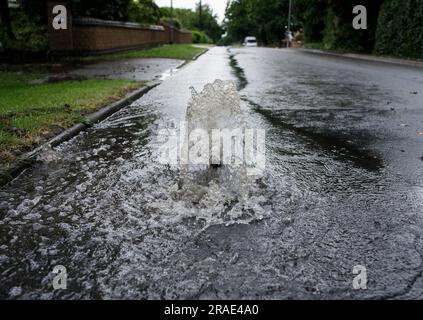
pixel 215 132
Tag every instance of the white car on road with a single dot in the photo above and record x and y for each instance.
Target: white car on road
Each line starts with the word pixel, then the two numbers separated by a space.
pixel 250 42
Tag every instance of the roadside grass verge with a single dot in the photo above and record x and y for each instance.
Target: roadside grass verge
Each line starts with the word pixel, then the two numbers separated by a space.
pixel 31 113
pixel 169 51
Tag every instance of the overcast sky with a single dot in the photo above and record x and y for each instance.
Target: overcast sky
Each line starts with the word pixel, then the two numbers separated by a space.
pixel 218 6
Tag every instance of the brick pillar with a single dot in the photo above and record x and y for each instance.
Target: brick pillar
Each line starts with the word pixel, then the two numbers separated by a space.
pixel 59 39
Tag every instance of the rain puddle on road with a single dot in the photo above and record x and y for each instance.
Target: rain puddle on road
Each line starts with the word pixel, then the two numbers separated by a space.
pixel 126 226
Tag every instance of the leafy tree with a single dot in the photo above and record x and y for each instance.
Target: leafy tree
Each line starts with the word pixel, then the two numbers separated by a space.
pixel 184 18
pixel 200 37
pixel 311 16
pixel 5 18
pixel 238 20
pixel 35 10
pixel 206 21
pixel 144 11
pixel 193 20
pixel 103 9
pixel 339 34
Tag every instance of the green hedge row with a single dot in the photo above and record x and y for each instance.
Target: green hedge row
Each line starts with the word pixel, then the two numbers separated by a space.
pixel 339 32
pixel 395 27
pixel 200 37
pixel 30 35
pixel 400 29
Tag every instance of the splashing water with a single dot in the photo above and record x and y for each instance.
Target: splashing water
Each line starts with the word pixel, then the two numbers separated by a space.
pixel 216 107
pixel 222 193
pixel 47 154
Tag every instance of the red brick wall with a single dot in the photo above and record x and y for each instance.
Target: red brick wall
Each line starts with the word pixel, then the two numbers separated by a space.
pixel 94 35
pixel 183 37
pixel 101 38
pixel 178 35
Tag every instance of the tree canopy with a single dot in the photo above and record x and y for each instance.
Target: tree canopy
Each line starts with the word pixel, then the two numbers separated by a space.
pixel 201 19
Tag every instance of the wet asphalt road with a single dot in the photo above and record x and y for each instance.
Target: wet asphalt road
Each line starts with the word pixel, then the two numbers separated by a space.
pixel 342 187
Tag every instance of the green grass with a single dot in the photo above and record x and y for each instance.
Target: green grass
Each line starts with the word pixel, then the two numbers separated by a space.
pixel 14 79
pixel 170 51
pixel 30 112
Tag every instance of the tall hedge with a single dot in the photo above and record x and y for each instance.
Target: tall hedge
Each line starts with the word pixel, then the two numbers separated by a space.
pixel 400 29
pixel 339 33
pixel 310 15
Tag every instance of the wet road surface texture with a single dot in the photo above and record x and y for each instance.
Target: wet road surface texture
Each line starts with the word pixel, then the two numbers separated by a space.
pixel 342 187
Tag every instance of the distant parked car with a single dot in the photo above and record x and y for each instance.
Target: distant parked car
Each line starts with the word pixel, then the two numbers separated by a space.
pixel 250 42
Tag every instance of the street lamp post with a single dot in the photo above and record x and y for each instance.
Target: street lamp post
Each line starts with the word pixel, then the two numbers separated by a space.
pixel 171 22
pixel 288 41
pixel 200 15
